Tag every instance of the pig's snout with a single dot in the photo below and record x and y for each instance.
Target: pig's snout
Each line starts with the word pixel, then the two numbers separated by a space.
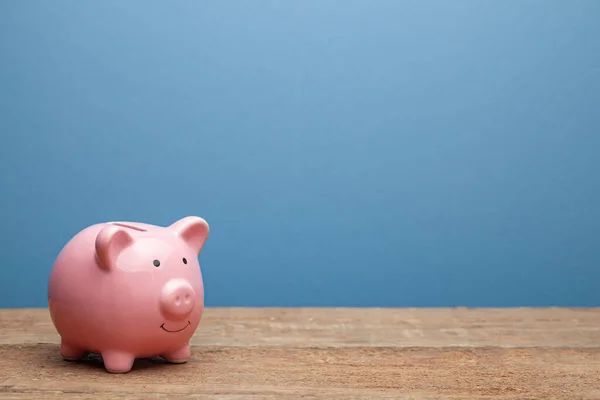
pixel 177 299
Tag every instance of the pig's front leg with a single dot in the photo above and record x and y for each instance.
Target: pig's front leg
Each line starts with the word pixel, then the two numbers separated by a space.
pixel 117 362
pixel 179 355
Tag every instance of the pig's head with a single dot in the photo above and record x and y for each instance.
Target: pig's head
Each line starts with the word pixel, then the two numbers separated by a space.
pixel 152 285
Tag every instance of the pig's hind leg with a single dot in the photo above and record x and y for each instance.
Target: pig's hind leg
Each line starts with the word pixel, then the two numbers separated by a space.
pixel 71 353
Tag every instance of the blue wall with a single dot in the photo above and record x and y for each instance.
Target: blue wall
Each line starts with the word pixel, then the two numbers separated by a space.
pixel 345 153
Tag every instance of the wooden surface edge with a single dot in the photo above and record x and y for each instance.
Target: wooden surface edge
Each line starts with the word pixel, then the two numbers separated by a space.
pixel 360 327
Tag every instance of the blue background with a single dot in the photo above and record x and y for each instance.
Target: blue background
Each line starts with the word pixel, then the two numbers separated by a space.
pixel 345 153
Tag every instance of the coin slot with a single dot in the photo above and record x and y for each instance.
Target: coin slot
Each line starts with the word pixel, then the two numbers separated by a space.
pixel 129 226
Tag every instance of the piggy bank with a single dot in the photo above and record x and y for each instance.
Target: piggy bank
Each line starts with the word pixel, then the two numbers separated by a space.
pixel 129 290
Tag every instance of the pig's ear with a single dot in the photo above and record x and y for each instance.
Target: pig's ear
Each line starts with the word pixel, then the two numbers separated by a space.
pixel 193 230
pixel 110 242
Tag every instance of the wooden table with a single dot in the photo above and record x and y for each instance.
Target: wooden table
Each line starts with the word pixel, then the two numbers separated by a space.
pixel 306 353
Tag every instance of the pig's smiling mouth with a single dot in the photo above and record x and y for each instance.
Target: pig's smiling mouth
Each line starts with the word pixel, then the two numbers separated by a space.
pixel 177 330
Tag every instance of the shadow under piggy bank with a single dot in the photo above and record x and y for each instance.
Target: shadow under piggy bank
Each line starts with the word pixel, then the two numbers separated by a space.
pixel 95 361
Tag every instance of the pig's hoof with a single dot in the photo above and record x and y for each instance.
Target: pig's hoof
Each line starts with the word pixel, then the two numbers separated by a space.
pixel 117 362
pixel 178 356
pixel 71 353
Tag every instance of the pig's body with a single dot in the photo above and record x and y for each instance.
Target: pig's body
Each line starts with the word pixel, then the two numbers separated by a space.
pixel 129 290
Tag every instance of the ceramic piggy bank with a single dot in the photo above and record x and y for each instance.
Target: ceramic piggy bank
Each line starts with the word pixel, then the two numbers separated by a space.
pixel 129 290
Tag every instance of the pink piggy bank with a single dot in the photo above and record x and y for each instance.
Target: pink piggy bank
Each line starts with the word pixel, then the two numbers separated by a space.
pixel 129 290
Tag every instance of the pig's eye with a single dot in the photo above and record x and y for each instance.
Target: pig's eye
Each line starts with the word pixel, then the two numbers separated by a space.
pixel 184 260
pixel 156 263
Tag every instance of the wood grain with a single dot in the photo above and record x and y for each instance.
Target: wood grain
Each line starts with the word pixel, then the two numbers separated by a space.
pixel 329 354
